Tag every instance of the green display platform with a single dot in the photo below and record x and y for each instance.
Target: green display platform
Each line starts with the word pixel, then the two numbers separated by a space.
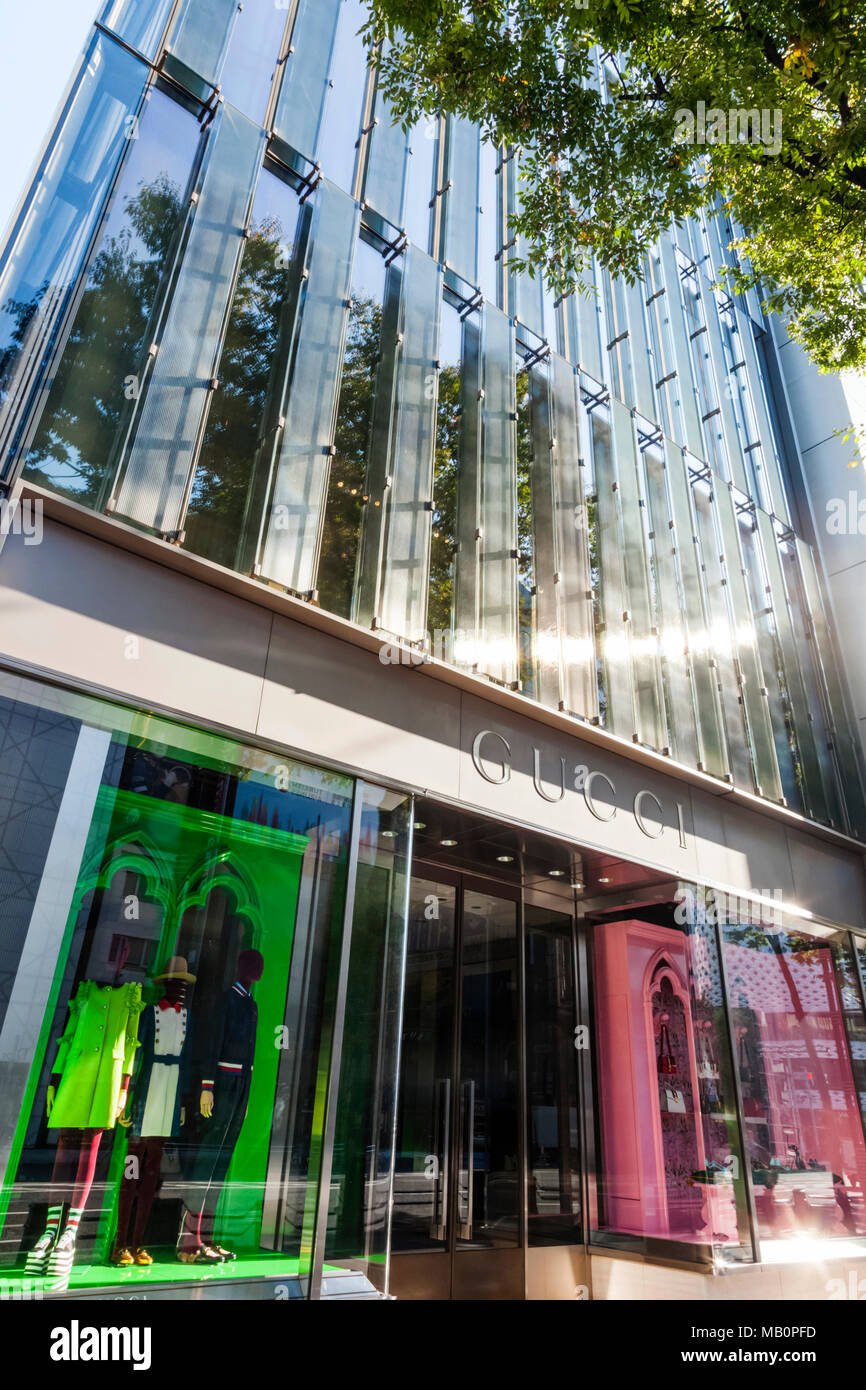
pixel 162 1271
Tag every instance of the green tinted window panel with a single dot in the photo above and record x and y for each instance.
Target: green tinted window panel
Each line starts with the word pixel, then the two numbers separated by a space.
pixel 724 388
pixel 619 372
pixel 301 103
pixel 620 714
pixel 73 448
pixel 639 348
pixel 693 437
pixel 769 652
pixel 153 489
pixel 754 681
pixel 341 124
pixel 714 757
pixel 848 751
pixel 814 792
pixel 526 297
pixel 574 590
pixel 51 238
pixel 490 236
pixel 669 616
pixel 140 23
pixel 466 566
pixel 371 547
pixel 651 728
pixel 251 63
pixel 773 486
pixel 408 497
pixel 420 175
pixel 546 629
pixel 440 612
pixel 300 483
pixel 720 255
pixel 666 382
pixel 722 647
pixel 460 213
pixel 346 505
pixel 229 493
pixel 387 158
pixel 498 518
pixel 750 301
pixel 201 36
pixel 813 683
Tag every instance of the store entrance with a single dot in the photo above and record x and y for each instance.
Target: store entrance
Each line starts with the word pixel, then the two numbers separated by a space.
pixel 456 1224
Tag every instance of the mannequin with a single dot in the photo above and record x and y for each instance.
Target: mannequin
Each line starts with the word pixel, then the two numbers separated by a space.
pixel 86 1097
pixel 164 1053
pixel 225 1089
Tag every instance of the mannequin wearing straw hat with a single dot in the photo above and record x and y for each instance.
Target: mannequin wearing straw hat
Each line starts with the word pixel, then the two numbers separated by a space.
pixel 157 1115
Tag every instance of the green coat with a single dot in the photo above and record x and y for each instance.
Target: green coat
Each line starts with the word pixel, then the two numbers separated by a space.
pixel 96 1051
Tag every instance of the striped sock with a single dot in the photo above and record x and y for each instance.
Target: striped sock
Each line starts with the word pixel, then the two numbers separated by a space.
pixel 52 1224
pixel 73 1220
pixel 37 1258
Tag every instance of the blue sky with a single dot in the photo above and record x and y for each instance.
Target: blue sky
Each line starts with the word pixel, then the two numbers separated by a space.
pixel 39 43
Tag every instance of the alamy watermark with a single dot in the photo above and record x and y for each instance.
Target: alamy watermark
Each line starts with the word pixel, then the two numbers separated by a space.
pixel 737 126
pixel 22 517
pixel 846 516
pixel 711 907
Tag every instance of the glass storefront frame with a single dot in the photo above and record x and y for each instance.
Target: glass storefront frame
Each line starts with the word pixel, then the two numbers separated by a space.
pixel 375 1259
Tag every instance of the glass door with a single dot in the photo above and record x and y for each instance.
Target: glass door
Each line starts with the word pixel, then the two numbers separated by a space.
pixel 456 1226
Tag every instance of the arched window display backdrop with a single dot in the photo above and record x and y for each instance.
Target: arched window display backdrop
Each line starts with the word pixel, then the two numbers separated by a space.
pixel 668 1130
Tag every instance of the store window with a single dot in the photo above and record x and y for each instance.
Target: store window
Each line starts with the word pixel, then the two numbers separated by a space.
pixel 668 1151
pixel 168 997
pixel 554 1206
pixel 799 1028
pixel 362 1173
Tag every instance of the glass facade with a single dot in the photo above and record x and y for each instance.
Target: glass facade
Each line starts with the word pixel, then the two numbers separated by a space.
pixel 244 347
pixel 244 1034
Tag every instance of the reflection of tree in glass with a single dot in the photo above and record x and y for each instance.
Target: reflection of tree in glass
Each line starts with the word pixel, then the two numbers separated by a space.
pixel 525 557
pixel 73 444
pixel 349 466
pixel 228 453
pixel 446 466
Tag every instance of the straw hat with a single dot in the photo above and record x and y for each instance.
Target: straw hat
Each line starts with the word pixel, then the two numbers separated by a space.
pixel 175 969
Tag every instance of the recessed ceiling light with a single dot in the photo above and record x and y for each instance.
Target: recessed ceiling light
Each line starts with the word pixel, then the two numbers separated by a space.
pixel 604 880
pixel 389 834
pixel 420 824
pixel 505 858
pixel 556 873
pixel 579 887
pixel 448 843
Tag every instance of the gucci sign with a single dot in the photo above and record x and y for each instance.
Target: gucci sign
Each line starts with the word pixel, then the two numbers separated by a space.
pixel 492 758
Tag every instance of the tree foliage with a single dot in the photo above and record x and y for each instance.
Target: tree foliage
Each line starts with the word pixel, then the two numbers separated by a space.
pixel 607 172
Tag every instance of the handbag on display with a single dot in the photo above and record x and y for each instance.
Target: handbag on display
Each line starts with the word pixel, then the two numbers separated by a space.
pixel 667 1062
pixel 676 1101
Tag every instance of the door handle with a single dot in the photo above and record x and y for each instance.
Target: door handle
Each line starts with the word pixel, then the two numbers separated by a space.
pixel 442 1150
pixel 467 1152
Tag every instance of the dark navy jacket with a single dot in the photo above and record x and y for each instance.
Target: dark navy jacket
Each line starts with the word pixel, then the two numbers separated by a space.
pixel 232 1037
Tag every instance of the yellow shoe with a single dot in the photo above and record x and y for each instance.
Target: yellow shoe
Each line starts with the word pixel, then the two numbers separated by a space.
pixel 122 1257
pixel 142 1257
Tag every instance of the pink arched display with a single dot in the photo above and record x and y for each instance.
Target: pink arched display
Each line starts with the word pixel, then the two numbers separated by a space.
pixel 664 1133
